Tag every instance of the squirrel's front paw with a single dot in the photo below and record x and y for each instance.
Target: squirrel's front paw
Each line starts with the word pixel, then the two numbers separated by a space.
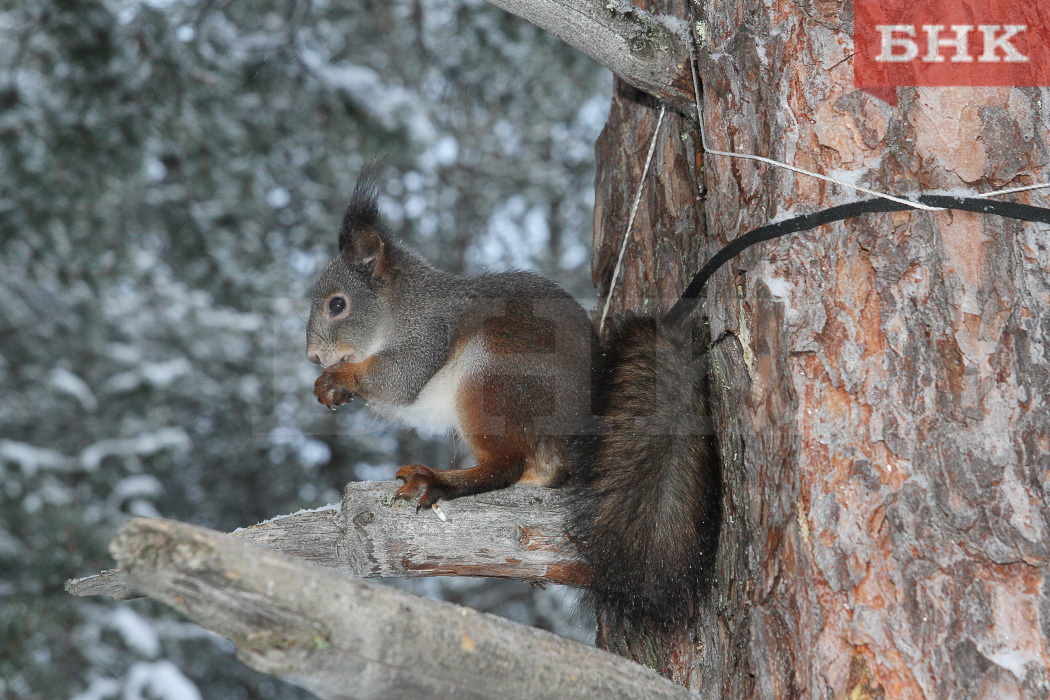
pixel 418 479
pixel 331 390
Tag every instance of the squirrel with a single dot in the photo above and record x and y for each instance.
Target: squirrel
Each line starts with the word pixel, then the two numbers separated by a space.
pixel 512 363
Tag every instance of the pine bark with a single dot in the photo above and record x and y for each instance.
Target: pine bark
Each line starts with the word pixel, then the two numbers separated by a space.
pixel 879 385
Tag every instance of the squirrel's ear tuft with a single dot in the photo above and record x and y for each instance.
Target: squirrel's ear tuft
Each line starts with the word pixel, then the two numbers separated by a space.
pixel 361 233
pixel 363 210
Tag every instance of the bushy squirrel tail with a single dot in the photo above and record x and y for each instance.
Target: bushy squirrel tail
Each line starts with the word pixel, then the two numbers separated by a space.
pixel 648 490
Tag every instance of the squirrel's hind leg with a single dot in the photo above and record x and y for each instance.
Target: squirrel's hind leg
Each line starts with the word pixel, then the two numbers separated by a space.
pixel 495 470
pixel 489 422
pixel 498 414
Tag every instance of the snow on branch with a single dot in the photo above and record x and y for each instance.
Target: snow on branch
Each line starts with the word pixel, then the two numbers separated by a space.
pixel 515 533
pixel 340 637
pixel 648 51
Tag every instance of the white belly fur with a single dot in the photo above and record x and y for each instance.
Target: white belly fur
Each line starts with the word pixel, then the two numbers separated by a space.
pixel 434 410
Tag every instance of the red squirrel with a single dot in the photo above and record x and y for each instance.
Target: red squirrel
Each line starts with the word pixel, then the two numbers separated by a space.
pixel 512 363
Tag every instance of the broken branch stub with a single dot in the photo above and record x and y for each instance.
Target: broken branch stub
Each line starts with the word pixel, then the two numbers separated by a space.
pixel 649 52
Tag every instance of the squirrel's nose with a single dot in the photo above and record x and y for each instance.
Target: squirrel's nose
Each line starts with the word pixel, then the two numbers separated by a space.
pixel 313 357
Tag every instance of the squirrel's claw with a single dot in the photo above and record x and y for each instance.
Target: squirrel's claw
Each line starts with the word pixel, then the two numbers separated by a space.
pixel 334 398
pixel 330 392
pixel 418 479
pixel 431 496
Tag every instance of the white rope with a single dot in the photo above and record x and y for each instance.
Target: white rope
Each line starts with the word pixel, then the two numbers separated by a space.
pixel 749 156
pixel 1012 190
pixel 630 220
pixel 801 171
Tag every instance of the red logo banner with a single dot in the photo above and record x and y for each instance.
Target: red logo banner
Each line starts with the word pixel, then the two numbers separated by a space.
pixel 951 42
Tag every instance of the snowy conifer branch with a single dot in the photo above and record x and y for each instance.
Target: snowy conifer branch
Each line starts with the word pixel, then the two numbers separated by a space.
pixel 515 533
pixel 341 637
pixel 649 52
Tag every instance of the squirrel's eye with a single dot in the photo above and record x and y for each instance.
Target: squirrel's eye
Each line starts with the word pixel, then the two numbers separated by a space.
pixel 336 305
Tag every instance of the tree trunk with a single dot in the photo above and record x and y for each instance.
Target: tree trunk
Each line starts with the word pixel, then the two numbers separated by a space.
pixel 879 384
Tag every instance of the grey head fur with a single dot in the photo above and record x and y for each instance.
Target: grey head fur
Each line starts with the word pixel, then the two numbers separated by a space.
pixel 375 292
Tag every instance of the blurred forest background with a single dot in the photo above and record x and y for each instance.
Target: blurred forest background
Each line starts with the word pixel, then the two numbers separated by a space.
pixel 171 176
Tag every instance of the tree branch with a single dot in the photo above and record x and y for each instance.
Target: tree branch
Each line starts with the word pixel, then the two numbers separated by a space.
pixel 340 637
pixel 514 533
pixel 646 51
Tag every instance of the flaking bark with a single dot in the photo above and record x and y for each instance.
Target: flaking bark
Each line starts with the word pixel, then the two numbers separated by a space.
pixel 879 383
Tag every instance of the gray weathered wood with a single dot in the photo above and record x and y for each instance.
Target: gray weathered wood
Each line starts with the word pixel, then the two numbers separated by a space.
pixel 345 638
pixel 646 50
pixel 109 582
pixel 516 533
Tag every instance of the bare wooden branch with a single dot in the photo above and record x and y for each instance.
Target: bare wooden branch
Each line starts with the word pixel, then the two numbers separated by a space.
pixel 516 533
pixel 645 50
pixel 341 637
pixel 109 582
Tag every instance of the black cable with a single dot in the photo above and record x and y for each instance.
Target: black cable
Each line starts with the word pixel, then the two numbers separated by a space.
pixel 688 301
pixel 1010 210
